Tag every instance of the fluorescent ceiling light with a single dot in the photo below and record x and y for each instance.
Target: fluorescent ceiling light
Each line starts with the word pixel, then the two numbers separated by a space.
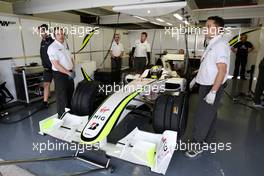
pixel 150 9
pixel 144 19
pixel 186 22
pixel 160 20
pixel 179 17
pixel 169 24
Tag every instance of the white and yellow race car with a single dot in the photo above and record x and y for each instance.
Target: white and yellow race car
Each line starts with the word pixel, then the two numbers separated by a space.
pixel 94 114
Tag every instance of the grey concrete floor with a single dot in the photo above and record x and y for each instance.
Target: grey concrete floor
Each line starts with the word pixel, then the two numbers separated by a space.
pixel 240 125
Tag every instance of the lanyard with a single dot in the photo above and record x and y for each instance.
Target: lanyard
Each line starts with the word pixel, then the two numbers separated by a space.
pixel 209 47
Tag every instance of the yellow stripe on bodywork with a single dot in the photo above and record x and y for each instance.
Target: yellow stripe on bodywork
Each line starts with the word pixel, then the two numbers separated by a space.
pixel 110 124
pixel 151 156
pixel 235 39
pixel 86 40
pixel 85 75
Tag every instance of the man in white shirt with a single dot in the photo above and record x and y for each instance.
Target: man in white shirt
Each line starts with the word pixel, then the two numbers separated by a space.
pixel 211 76
pixel 116 51
pixel 141 52
pixel 62 67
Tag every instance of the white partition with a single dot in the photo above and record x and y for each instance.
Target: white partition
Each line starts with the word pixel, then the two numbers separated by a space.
pixel 31 37
pixel 98 58
pixel 69 37
pixel 97 41
pixel 78 40
pixel 6 75
pixel 108 34
pixel 97 47
pixel 82 57
pixel 10 38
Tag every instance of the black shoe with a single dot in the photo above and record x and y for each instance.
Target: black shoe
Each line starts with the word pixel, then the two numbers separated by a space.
pixel 243 78
pixel 45 104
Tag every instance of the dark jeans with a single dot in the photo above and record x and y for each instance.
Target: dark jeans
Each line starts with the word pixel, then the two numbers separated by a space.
pixel 240 61
pixel 116 63
pixel 206 115
pixel 64 87
pixel 139 64
pixel 260 84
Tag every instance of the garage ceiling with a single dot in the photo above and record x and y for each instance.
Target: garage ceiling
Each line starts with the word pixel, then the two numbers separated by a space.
pixel 241 13
pixel 223 3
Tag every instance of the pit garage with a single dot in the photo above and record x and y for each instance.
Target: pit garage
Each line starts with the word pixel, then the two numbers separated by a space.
pixel 143 87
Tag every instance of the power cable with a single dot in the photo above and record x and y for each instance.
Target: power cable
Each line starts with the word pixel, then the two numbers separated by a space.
pixel 108 51
pixel 26 117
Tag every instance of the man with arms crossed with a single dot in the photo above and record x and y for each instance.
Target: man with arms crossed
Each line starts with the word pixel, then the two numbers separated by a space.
pixel 211 76
pixel 117 51
pixel 141 52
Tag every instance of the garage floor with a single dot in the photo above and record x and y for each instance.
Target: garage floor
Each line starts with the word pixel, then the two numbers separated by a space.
pixel 242 126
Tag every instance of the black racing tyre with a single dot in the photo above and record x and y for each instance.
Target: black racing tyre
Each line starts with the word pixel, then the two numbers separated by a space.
pixel 184 116
pixel 84 98
pixel 75 97
pixel 168 112
pixel 171 113
pixel 159 113
pixel 176 112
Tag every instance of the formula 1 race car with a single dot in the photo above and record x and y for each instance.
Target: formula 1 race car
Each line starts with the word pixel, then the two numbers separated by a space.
pixel 98 109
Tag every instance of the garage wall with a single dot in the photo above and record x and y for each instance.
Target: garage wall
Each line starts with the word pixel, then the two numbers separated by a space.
pixel 22 44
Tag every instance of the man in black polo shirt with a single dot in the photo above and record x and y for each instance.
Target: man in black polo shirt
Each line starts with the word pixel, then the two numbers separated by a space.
pixel 47 74
pixel 241 49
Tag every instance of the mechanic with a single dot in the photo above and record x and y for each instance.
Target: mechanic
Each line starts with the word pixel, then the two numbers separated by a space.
pixel 211 76
pixel 47 74
pixel 140 51
pixel 63 70
pixel 117 51
pixel 259 86
pixel 241 49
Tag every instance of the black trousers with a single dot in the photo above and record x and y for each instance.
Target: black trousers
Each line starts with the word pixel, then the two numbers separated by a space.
pixel 139 64
pixel 260 84
pixel 64 88
pixel 240 61
pixel 206 115
pixel 116 63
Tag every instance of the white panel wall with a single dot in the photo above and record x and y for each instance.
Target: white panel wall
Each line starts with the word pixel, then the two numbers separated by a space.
pixel 69 38
pixel 7 76
pixel 107 37
pixel 125 42
pixel 10 38
pixel 30 36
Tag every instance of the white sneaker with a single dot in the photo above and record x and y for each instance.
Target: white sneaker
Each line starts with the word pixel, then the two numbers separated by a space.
pixel 193 153
pixel 258 105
